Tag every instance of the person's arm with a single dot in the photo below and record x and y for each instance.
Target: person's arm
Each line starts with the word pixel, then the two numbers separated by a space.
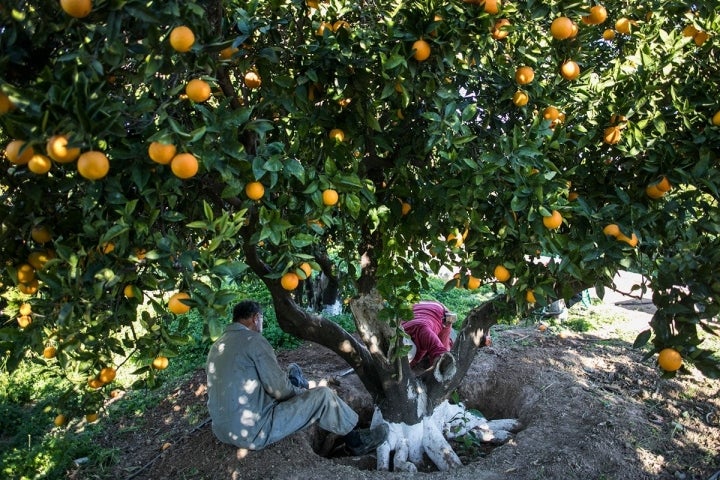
pixel 427 340
pixel 274 379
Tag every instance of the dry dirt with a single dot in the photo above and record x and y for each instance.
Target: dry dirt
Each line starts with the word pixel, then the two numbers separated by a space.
pixel 590 409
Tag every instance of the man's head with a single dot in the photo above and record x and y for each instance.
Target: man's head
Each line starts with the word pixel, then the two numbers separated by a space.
pixel 449 318
pixel 249 313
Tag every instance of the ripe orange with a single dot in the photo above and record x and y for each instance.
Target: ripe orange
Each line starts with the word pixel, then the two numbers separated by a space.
pixel 252 79
pixel 524 75
pixel 39 164
pixel 608 34
pixel 107 375
pixel 5 103
pixel 160 362
pixel 422 50
pixel 499 30
pixel 491 6
pixel 551 113
pixel 340 24
pixel 30 288
pixel 570 70
pixel 38 259
pixel 664 185
pixel 60 420
pixel 91 417
pixel 473 283
pixel 254 190
pixel 57 149
pixel 128 291
pixel 24 321
pixel 184 165
pixel 77 8
pixel 290 281
pixel 93 165
pixel 598 14
pixel 25 309
pixel 95 382
pixel 501 273
pixel 623 25
pixel 198 90
pixel 40 234
pixel 49 352
pixel 572 196
pixel 14 154
pixel 330 197
pixel 561 28
pixel 654 192
pixel 632 240
pixel 306 268
pixel 405 208
pixel 700 38
pixel 520 98
pixel 612 135
pixel 553 221
pixel 716 119
pixel 176 306
pixel 337 134
pixel 321 29
pixel 228 52
pixel 669 359
pixel 182 39
pixel 25 273
pixel 161 153
pixel 530 296
pixel 612 230
pixel 689 31
pixel 107 247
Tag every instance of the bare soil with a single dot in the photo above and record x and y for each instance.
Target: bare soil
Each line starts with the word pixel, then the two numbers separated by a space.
pixel 589 407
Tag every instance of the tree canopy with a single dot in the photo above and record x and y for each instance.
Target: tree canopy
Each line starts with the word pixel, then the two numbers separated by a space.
pixel 402 136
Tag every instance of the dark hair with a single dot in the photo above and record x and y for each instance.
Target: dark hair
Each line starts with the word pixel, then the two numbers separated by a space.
pixel 245 309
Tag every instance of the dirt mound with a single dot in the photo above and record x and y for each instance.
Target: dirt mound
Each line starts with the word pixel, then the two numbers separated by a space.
pixel 588 406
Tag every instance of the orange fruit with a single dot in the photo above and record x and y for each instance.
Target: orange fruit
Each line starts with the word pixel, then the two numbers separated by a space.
pixel 228 52
pixel 524 75
pixel 128 291
pixel 107 247
pixel 501 273
pixel 38 259
pixel 340 24
pixel 473 283
pixel 542 327
pixel 669 359
pixel 632 240
pixel 93 165
pixel 252 79
pixel 491 6
pixel 329 197
pixel 405 208
pixel 5 103
pixel 623 25
pixel 107 375
pixel 306 268
pixel 312 3
pixel 551 113
pixel 290 281
pixel 716 119
pixel 161 153
pixel 321 29
pixel 39 164
pixel 25 273
pixel 40 234
pixel 561 28
pixel 664 185
pixel 608 34
pixel 182 39
pixel 184 165
pixel 14 155
pixel 612 230
pixel 530 296
pixel 654 192
pixel 77 8
pixel 95 383
pixel 612 135
pixel 254 190
pixel 176 306
pixel 598 14
pixel 570 70
pixel 689 31
pixel 572 196
pixel 337 134
pixel 553 221
pixel 421 49
pixel 25 309
pixel 60 420
pixel 57 149
pixel 91 417
pixel 198 90
pixel 160 362
pixel 499 32
pixel 520 98
pixel 24 321
pixel 30 288
pixel 49 352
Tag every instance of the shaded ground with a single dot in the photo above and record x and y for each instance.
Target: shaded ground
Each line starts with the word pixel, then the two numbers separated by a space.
pixel 589 410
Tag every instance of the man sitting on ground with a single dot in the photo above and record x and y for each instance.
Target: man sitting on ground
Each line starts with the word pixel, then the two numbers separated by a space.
pixel 253 402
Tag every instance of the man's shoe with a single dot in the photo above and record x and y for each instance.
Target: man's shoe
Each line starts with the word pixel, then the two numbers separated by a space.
pixel 362 442
pixel 296 376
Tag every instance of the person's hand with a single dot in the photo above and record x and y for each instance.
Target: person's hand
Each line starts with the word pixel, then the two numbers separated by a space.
pixel 488 340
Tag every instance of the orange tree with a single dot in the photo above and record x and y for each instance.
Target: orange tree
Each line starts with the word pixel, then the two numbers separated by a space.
pixel 408 135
